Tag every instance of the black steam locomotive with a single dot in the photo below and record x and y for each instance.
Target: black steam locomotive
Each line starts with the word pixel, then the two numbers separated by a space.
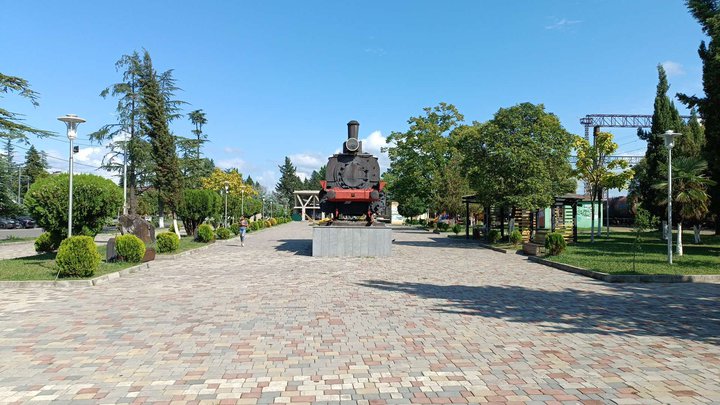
pixel 352 188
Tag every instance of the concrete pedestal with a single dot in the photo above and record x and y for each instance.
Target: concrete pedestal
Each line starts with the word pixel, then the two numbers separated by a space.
pixel 352 241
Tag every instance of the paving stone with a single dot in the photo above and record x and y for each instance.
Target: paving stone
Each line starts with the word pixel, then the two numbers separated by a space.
pixel 441 321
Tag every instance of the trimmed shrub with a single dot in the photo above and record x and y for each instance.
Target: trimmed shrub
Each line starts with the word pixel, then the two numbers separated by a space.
pixel 205 233
pixel 515 237
pixel 47 243
pixel 167 242
pixel 494 236
pixel 130 248
pixel 456 228
pixel 555 243
pixel 223 233
pixel 235 228
pixel 196 206
pixel 443 226
pixel 273 221
pixel 267 224
pixel 95 199
pixel 78 257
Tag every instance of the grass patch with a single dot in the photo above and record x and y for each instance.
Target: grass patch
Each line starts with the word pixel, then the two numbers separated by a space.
pixel 15 239
pixel 187 243
pixel 615 255
pixel 42 267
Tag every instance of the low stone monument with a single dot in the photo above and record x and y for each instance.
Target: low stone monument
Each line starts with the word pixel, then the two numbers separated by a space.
pixel 110 251
pixel 138 226
pixel 352 239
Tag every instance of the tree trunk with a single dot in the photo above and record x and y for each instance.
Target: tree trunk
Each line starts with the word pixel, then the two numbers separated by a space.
pixel 599 224
pixel 592 218
pixel 161 210
pixel 696 230
pixel 679 246
pixel 175 224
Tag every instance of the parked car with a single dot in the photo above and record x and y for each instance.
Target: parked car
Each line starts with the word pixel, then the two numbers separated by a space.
pixel 26 222
pixel 7 223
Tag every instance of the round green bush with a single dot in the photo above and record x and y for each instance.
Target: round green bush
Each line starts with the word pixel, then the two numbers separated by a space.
pixel 456 228
pixel 493 236
pixel 78 257
pixel 205 233
pixel 47 243
pixel 273 221
pixel 235 228
pixel 167 242
pixel 555 243
pixel 130 248
pixel 223 233
pixel 515 237
pixel 268 224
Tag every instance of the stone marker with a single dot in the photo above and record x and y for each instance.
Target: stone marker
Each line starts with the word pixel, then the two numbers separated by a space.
pixel 149 255
pixel 111 251
pixel 136 225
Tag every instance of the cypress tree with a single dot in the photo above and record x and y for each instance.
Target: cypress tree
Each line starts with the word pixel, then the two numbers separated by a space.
pixel 707 13
pixel 665 117
pixel 35 165
pixel 168 180
pixel 288 183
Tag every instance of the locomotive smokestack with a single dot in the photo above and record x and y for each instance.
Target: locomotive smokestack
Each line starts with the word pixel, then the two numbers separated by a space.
pixel 353 128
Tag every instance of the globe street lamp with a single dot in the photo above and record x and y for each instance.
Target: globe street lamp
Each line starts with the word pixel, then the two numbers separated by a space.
pixel 227 188
pixel 71 121
pixel 670 136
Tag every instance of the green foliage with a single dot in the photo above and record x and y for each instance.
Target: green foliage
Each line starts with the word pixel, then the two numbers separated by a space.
pixel 197 205
pixel 205 233
pixel 493 236
pixel 412 207
pixel 235 228
pixel 46 243
pixel 35 165
pixel 515 237
pixel 643 222
pixel 167 242
pixel 520 158
pixel 443 226
pixel 223 233
pixel 288 183
pixel 78 257
pixel 95 199
pixel 456 228
pixel 555 243
pixel 273 221
pixel 130 248
pixel 11 126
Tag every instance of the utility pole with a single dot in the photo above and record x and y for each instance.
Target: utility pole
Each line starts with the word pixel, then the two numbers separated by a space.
pixel 19 184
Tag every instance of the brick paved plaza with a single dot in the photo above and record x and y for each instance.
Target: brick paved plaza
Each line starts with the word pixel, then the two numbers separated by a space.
pixel 440 322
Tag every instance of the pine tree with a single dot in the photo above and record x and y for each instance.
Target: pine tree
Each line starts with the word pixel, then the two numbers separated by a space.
pixel 707 12
pixel 168 180
pixel 35 165
pixel 288 183
pixel 665 117
pixel 11 126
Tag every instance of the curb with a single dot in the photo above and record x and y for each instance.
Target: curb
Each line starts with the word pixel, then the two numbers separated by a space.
pixel 105 278
pixel 629 278
pixel 497 249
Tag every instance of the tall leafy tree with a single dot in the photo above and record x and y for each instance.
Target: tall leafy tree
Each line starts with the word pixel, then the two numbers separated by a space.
pixel 35 165
pixel 194 166
pixel 665 117
pixel 707 13
pixel 157 115
pixel 592 168
pixel 11 125
pixel 419 158
pixel 288 183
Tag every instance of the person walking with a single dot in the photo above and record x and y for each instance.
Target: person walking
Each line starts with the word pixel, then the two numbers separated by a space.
pixel 243 228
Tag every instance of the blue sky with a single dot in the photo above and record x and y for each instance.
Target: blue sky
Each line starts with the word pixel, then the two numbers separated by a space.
pixel 282 79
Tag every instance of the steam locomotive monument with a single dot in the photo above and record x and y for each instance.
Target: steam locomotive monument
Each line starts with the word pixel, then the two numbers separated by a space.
pixel 352 194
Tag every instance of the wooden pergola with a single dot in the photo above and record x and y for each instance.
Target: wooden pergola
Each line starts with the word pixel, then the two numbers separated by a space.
pixel 560 202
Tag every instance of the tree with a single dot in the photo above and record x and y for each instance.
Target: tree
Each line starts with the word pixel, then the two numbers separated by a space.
pixel 11 126
pixel 665 117
pixel 592 168
pixel 520 158
pixel 707 13
pixel 216 182
pixel 35 165
pixel 643 221
pixel 419 156
pixel 689 194
pixel 288 183
pixel 95 199
pixel 196 206
pixel 194 167
pixel 157 114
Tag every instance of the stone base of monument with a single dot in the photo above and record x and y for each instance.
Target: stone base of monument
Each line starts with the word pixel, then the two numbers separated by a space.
pixel 351 241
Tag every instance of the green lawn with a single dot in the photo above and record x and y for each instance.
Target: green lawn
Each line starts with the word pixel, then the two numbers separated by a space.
pixel 615 255
pixel 13 239
pixel 186 243
pixel 42 267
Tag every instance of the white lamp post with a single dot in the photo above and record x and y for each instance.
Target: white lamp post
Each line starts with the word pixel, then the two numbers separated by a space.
pixel 670 136
pixel 71 121
pixel 227 188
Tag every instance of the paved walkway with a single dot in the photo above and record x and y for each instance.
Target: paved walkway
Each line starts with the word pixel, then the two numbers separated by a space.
pixel 440 322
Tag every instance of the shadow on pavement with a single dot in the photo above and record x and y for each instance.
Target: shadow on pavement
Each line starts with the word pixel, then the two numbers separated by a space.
pixel 300 247
pixel 680 311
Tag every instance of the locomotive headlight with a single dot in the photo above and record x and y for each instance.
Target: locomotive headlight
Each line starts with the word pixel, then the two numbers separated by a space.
pixel 352 144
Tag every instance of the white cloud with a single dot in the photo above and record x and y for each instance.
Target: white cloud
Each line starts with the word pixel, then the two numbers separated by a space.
pixel 231 163
pixel 307 160
pixel 373 145
pixel 268 178
pixel 673 68
pixel 229 149
pixel 302 175
pixel 561 24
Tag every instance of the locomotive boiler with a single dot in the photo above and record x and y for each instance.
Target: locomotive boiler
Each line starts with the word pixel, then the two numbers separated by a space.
pixel 352 189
